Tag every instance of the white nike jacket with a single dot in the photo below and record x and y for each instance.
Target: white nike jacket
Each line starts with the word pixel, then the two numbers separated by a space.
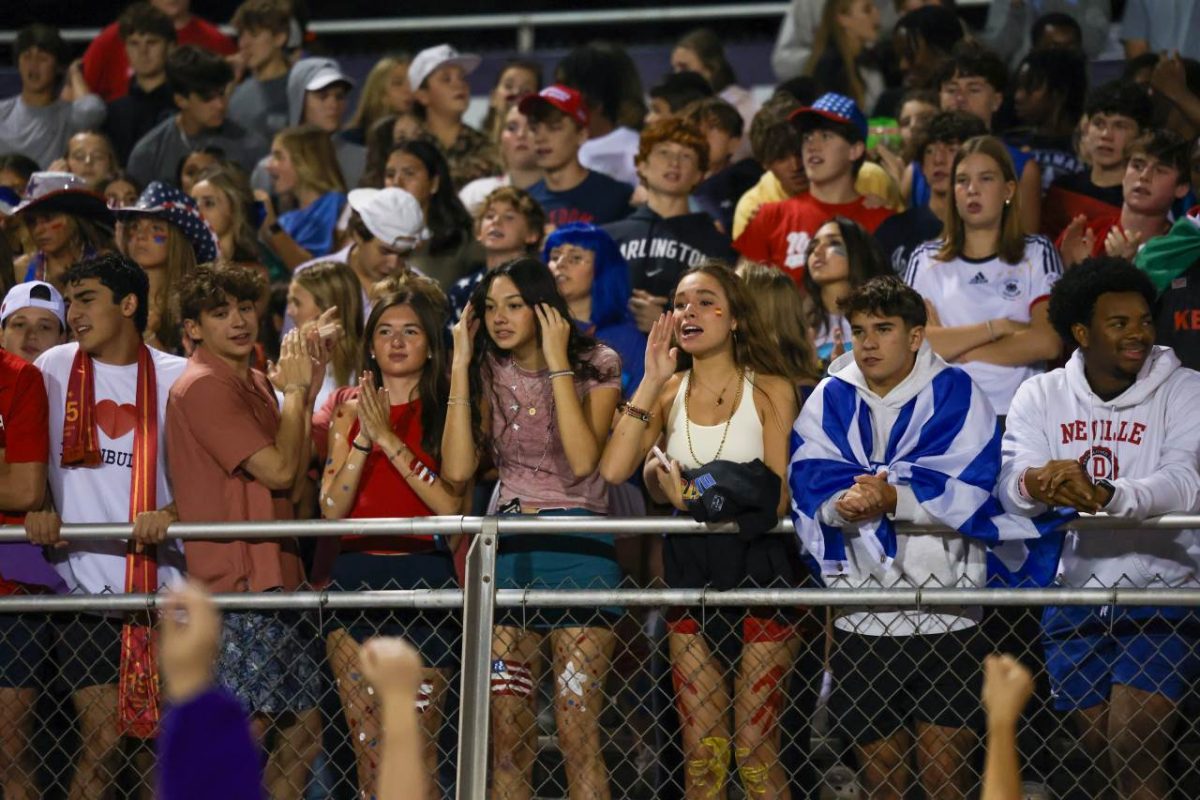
pixel 1146 441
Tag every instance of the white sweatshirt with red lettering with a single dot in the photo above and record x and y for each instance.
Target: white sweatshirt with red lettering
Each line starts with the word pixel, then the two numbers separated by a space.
pixel 1146 441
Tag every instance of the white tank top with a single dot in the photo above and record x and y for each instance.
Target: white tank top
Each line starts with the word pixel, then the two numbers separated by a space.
pixel 743 444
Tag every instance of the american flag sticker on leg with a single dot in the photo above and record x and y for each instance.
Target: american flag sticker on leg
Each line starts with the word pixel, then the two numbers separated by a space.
pixel 511 678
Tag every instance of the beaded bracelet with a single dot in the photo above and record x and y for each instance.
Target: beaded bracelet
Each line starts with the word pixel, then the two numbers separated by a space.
pixel 630 410
pixel 559 373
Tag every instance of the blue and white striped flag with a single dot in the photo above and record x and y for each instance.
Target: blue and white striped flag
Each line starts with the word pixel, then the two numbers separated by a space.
pixel 945 445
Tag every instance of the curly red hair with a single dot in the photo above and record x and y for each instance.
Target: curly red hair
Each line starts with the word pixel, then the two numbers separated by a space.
pixel 678 131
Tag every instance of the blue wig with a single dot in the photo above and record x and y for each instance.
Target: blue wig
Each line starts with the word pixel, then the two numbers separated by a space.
pixel 611 289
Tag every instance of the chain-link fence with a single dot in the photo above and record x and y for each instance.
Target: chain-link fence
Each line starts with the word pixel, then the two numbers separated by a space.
pixel 641 692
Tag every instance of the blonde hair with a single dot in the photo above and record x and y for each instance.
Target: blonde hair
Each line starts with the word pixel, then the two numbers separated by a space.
pixel 313 158
pixel 332 283
pixel 779 312
pixel 181 261
pixel 1011 246
pixel 231 181
pixel 372 102
pixel 830 34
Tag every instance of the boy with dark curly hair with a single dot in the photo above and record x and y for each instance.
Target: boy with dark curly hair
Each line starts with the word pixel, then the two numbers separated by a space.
pixel 1113 431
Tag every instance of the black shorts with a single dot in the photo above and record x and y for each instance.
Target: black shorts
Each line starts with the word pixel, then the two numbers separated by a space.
pixel 25 644
pixel 882 683
pixel 88 650
pixel 435 632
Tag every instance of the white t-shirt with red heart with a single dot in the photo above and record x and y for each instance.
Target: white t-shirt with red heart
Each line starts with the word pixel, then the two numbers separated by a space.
pixel 101 494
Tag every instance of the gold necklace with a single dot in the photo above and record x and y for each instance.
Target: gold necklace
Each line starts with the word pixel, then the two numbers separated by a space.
pixel 687 419
pixel 720 397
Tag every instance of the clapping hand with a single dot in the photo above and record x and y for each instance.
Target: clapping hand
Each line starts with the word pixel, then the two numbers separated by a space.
pixel 375 414
pixel 1119 243
pixel 1078 241
pixel 295 366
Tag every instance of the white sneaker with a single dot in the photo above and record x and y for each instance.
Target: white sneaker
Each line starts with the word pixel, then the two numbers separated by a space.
pixel 840 783
pixel 1035 791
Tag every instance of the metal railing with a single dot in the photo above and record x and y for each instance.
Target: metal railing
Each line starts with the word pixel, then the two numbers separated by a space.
pixel 524 23
pixel 479 600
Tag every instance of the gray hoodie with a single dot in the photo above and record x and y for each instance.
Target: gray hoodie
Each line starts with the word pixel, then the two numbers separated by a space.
pixel 352 158
pixel 922 559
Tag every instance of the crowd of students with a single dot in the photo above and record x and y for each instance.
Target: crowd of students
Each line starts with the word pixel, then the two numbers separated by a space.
pixel 226 299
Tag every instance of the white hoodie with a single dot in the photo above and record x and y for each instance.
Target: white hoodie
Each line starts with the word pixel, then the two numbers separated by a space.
pixel 937 560
pixel 1146 441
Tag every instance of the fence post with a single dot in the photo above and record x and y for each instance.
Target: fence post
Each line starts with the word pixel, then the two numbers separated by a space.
pixel 479 606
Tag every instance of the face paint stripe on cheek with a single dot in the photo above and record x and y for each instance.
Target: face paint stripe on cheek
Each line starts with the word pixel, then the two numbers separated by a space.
pixel 159 238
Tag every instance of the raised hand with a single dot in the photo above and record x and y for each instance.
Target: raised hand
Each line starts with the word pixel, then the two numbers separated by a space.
pixel 839 342
pixel 646 309
pixel 661 357
pixel 327 329
pixel 189 637
pixel 391 665
pixel 269 217
pixel 1007 687
pixel 464 337
pixel 556 332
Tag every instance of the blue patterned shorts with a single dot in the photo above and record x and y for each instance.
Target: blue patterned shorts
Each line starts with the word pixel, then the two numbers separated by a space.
pixel 271 661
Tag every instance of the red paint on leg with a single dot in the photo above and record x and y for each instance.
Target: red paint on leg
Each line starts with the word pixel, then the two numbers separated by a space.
pixel 767 713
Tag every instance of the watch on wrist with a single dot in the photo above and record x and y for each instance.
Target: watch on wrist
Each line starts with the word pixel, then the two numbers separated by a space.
pixel 1112 490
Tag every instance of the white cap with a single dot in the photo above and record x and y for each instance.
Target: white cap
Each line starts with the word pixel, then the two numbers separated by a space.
pixel 393 216
pixel 431 58
pixel 33 294
pixel 327 75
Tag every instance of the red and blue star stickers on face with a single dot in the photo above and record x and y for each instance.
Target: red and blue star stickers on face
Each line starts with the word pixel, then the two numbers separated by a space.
pixel 169 203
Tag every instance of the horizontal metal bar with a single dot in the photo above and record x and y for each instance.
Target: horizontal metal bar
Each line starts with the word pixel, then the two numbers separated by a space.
pixel 254 601
pixel 456 22
pixel 592 598
pixel 394 526
pixel 595 598
pixel 451 525
pixel 545 19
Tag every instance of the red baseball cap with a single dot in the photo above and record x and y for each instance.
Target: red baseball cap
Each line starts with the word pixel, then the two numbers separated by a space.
pixel 563 98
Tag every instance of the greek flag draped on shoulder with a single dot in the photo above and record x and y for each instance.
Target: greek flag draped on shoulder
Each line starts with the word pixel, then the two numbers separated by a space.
pixel 945 445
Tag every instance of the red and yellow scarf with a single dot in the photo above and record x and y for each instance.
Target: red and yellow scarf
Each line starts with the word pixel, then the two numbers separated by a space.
pixel 138 690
